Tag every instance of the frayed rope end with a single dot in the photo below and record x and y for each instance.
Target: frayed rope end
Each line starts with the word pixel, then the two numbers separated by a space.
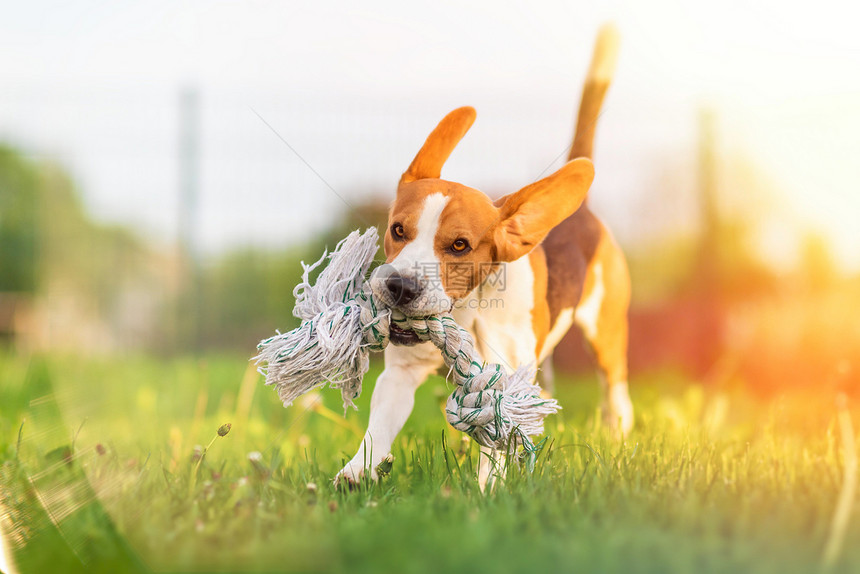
pixel 327 347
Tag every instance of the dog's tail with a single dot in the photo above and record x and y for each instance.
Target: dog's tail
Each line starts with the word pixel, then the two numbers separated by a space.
pixel 596 84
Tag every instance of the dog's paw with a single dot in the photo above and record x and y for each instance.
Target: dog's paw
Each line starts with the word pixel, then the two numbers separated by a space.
pixel 618 411
pixel 353 474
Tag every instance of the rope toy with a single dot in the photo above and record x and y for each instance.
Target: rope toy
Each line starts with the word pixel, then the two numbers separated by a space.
pixel 343 321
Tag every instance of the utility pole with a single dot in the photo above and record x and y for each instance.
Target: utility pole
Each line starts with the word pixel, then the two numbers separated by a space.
pixel 189 307
pixel 708 272
pixel 708 262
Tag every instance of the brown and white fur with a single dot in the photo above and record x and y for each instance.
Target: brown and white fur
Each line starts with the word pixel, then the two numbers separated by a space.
pixel 445 246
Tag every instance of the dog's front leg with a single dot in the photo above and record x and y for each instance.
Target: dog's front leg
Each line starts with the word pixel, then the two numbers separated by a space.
pixel 392 401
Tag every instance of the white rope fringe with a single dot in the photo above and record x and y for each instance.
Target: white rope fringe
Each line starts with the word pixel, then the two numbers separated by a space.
pixel 342 322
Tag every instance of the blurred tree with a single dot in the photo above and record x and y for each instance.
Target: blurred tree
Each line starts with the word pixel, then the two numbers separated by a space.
pixel 247 294
pixel 19 224
pixel 89 259
pixel 79 272
pixel 727 267
pixel 817 267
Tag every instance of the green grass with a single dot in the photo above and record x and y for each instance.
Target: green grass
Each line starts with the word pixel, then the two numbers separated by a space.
pixel 98 475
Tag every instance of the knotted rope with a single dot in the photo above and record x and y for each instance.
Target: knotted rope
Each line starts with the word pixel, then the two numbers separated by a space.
pixel 343 321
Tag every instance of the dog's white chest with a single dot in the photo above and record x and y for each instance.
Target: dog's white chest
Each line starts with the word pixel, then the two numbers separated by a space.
pixel 498 315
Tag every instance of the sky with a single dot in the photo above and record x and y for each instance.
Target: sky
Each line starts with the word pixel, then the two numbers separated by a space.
pixel 354 89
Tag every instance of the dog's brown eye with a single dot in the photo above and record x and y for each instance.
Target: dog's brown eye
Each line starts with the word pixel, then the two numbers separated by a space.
pixel 459 245
pixel 397 230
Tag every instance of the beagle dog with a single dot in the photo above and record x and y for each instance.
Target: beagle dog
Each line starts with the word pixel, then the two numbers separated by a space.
pixel 517 273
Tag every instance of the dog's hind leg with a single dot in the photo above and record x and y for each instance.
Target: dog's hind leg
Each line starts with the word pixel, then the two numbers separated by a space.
pixel 602 315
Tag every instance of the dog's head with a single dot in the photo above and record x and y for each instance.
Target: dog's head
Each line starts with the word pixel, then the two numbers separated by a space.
pixel 444 238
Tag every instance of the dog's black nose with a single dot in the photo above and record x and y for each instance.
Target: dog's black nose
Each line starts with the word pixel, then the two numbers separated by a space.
pixel 403 289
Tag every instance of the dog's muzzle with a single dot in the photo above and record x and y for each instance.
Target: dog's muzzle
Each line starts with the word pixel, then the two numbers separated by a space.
pixel 412 295
pixel 401 292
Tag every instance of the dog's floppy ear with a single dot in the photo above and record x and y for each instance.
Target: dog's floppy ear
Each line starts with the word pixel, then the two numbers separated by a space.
pixel 439 145
pixel 529 214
